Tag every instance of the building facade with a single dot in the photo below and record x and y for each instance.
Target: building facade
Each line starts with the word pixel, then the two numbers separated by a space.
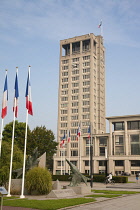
pixel 81 97
pixel 120 148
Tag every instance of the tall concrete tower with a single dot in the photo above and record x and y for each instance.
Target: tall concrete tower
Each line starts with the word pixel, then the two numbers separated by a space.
pixel 81 96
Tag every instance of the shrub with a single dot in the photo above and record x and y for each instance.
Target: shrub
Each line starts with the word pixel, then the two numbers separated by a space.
pixel 38 181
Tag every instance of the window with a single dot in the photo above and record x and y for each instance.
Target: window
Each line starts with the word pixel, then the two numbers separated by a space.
pixel 65 67
pixel 87 151
pixel 74 153
pixel 75 104
pixel 102 151
pixel 86 103
pixel 63 153
pixel 86 89
pixel 118 140
pixel 75 84
pixel 75 91
pixel 103 141
pixel 65 80
pixel 75 117
pixel 74 145
pixel 75 78
pixel 60 162
pixel 86 162
pixel 75 47
pixel 75 71
pixel 85 109
pixel 135 163
pixel 86 57
pixel 86 45
pixel 74 162
pixel 64 105
pixel 86 83
pixel 119 162
pixel 102 163
pixel 86 116
pixel 75 97
pixel 133 125
pixel 86 70
pixel 75 59
pixel 135 144
pixel 118 126
pixel 74 124
pixel 65 61
pixel 119 150
pixel 65 73
pixel 64 86
pixel 86 96
pixel 86 76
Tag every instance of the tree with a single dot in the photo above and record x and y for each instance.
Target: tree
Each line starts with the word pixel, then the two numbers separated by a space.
pixel 44 140
pixel 5 161
pixel 19 135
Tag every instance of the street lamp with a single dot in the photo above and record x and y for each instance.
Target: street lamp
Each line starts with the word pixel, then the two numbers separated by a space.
pixel 91 158
pixel 106 161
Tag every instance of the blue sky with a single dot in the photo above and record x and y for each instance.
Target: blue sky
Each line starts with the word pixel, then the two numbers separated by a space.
pixel 30 33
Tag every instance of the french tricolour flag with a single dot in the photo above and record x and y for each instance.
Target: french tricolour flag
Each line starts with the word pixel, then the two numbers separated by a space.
pixel 28 95
pixel 15 106
pixel 62 144
pixel 5 98
pixel 69 136
pixel 78 132
pixel 89 132
pixel 100 24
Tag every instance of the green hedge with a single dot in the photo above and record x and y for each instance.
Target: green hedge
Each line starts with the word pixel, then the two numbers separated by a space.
pixel 96 178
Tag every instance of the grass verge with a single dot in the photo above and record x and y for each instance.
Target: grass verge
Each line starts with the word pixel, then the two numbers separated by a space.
pixel 47 204
pixel 103 195
pixel 114 192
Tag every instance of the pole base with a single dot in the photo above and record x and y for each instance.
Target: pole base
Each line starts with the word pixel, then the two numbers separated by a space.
pixel 22 196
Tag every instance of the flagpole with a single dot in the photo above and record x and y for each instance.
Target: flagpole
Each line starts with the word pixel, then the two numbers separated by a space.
pixel 61 161
pixel 1 135
pixel 23 175
pixel 10 174
pixel 12 147
pixel 69 149
pixel 89 141
pixel 29 111
pixel 2 117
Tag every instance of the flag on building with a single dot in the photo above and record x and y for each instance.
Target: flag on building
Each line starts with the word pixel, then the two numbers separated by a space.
pixel 5 99
pixel 28 96
pixel 89 132
pixel 15 105
pixel 100 24
pixel 69 136
pixel 62 144
pixel 78 132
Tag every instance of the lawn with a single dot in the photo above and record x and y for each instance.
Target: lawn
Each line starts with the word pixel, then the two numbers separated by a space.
pixel 61 203
pixel 46 204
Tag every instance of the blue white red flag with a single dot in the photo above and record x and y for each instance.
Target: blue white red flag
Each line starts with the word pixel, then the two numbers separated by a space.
pixel 69 136
pixel 78 132
pixel 89 132
pixel 100 24
pixel 28 95
pixel 15 105
pixel 5 98
pixel 62 144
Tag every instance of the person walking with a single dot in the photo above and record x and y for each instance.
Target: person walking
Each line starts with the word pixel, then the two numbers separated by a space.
pixel 137 178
